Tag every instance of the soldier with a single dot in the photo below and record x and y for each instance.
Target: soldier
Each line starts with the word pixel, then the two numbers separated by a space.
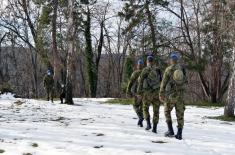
pixel 171 93
pixel 149 84
pixel 48 83
pixel 132 90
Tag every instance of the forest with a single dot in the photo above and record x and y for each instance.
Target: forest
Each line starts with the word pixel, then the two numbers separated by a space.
pixel 93 45
pixel 92 49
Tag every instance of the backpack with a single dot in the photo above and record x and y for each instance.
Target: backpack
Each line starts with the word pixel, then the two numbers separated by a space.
pixel 153 79
pixel 178 75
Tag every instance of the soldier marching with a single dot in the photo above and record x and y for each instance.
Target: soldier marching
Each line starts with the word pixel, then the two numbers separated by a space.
pixel 153 89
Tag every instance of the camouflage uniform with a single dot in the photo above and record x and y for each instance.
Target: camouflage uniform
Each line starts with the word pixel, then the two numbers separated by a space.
pixel 149 94
pixel 48 83
pixel 174 95
pixel 132 89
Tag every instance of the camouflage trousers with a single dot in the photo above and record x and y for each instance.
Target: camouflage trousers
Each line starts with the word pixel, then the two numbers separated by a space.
pixel 138 107
pixel 151 99
pixel 50 93
pixel 175 101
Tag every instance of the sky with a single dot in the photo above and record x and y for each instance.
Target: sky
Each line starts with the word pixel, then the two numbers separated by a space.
pixel 3 4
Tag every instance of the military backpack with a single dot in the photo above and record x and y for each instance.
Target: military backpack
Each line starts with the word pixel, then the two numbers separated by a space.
pixel 153 79
pixel 177 78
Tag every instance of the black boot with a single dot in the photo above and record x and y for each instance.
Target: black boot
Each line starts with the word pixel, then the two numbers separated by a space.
pixel 170 132
pixel 179 134
pixel 154 130
pixel 148 124
pixel 140 122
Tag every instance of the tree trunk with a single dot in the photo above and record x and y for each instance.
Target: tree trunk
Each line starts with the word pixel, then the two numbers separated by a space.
pixel 56 62
pixel 100 46
pixel 1 73
pixel 229 107
pixel 25 5
pixel 152 28
pixel 71 36
pixel 99 51
pixel 90 65
pixel 35 73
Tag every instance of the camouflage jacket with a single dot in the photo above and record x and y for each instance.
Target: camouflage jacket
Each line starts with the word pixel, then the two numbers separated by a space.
pixel 168 86
pixel 143 87
pixel 133 83
pixel 48 81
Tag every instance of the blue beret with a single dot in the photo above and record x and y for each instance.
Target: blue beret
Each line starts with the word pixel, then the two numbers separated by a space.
pixel 150 58
pixel 140 62
pixel 174 56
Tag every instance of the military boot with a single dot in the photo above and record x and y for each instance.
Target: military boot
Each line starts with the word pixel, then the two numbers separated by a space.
pixel 170 132
pixel 179 134
pixel 148 124
pixel 140 122
pixel 154 130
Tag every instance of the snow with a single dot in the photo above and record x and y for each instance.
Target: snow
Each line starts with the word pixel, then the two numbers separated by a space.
pixel 7 96
pixel 92 128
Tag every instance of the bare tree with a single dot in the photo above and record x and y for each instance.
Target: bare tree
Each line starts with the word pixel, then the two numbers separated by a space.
pixel 229 107
pixel 56 60
pixel 71 36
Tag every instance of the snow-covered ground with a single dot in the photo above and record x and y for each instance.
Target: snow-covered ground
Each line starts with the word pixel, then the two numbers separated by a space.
pixel 91 128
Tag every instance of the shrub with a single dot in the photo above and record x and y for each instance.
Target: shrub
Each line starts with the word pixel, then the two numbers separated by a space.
pixel 6 88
